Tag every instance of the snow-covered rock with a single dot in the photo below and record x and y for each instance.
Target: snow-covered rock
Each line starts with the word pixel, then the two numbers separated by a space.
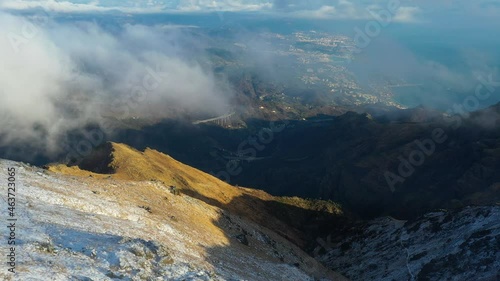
pixel 76 228
pixel 442 245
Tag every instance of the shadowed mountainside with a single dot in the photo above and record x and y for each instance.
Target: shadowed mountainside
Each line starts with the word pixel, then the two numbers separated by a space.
pixel 298 220
pixel 440 245
pixel 347 158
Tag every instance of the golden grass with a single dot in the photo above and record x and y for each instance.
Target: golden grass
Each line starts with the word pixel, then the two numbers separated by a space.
pixel 312 204
pixel 151 165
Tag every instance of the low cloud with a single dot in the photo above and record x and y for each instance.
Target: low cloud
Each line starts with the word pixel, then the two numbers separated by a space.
pixel 314 9
pixel 130 6
pixel 407 14
pixel 85 6
pixel 347 10
pixel 410 11
pixel 56 77
pixel 223 5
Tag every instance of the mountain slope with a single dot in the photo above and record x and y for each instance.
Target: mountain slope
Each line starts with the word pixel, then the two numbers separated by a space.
pixel 346 158
pixel 100 228
pixel 286 216
pixel 441 245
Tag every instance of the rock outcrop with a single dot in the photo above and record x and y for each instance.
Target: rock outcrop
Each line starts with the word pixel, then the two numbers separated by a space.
pixel 441 245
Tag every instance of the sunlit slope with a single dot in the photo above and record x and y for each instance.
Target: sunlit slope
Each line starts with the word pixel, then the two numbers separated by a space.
pixel 280 214
pixel 102 228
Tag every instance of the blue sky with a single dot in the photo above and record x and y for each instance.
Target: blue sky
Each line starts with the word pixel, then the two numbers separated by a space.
pixel 413 11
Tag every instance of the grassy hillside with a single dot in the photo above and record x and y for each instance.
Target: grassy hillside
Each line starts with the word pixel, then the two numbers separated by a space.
pixel 290 217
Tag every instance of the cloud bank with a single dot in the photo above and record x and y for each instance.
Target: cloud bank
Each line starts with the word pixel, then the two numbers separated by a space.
pixel 409 11
pixel 57 77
